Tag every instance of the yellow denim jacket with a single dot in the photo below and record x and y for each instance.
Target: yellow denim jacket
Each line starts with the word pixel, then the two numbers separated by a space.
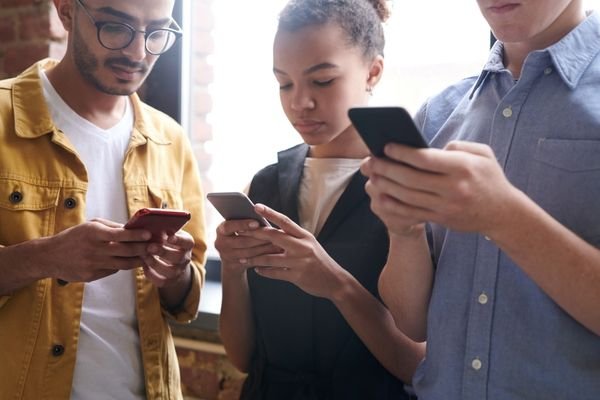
pixel 42 192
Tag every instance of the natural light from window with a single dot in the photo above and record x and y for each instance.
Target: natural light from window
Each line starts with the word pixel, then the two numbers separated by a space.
pixel 430 44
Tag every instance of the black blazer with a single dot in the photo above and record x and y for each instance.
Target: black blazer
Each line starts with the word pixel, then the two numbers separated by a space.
pixel 304 347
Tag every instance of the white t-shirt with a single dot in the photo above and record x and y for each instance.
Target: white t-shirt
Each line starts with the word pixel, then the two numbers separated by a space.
pixel 109 362
pixel 323 182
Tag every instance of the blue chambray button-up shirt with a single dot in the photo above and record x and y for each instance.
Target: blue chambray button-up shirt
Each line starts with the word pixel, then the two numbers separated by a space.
pixel 492 332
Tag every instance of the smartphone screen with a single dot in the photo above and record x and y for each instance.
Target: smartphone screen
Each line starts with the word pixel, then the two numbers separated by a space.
pixel 235 205
pixel 158 220
pixel 378 126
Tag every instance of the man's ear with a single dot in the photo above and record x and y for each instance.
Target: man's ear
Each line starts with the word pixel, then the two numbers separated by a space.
pixel 65 9
pixel 375 71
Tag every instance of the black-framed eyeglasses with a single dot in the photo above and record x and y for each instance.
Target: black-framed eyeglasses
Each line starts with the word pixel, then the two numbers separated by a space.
pixel 118 35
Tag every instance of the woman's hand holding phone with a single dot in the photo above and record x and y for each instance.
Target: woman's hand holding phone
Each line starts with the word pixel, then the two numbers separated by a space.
pixel 234 246
pixel 235 205
pixel 300 258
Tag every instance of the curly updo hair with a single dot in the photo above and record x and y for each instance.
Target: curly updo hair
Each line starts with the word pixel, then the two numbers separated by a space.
pixel 361 20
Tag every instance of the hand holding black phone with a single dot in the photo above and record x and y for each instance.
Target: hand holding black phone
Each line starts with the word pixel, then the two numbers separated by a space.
pixel 379 126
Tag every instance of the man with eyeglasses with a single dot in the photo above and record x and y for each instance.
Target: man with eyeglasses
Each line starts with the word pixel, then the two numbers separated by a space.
pixel 84 302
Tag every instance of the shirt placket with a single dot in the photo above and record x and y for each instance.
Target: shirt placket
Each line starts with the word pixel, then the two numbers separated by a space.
pixel 479 328
pixel 483 295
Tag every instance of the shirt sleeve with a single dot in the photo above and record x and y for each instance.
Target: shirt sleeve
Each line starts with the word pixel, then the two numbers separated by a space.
pixel 193 201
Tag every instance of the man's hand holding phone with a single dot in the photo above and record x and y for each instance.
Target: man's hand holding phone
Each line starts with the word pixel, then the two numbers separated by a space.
pixel 169 253
pixel 378 126
pixel 159 222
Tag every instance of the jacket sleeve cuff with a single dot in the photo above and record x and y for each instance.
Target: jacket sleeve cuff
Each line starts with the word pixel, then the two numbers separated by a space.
pixel 187 310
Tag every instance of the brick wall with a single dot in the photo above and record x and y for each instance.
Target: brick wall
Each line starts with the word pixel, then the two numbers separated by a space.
pixel 201 77
pixel 29 31
pixel 206 373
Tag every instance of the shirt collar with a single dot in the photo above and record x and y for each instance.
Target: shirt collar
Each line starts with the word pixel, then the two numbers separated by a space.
pixel 574 53
pixel 571 55
pixel 32 117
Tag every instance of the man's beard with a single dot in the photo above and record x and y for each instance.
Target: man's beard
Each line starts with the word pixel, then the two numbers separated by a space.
pixel 88 64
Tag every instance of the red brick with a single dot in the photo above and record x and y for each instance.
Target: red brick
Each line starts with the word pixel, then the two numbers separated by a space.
pixel 203 17
pixel 202 101
pixel 202 72
pixel 201 131
pixel 203 43
pixel 34 25
pixel 202 157
pixel 18 58
pixel 20 3
pixel 7 29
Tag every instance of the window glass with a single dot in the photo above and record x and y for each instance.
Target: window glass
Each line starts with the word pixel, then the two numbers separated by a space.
pixel 430 44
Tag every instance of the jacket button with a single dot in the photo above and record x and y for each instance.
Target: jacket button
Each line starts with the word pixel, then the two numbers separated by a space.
pixel 58 350
pixel 15 197
pixel 70 203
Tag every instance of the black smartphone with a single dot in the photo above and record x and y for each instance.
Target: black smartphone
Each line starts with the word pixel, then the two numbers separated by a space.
pixel 158 220
pixel 235 205
pixel 378 126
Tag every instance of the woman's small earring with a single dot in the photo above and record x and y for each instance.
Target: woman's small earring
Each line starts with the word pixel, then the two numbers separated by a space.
pixel 370 90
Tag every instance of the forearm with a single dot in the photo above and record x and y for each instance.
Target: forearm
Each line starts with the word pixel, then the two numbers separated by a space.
pixel 235 322
pixel 564 266
pixel 22 264
pixel 405 282
pixel 374 325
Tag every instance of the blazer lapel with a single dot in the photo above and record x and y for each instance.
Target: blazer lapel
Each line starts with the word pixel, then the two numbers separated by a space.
pixel 351 198
pixel 291 165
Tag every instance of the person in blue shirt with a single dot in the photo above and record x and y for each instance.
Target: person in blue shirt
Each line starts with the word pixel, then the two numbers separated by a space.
pixel 494 231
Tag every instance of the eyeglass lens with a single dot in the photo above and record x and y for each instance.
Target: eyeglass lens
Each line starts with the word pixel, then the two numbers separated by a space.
pixel 117 36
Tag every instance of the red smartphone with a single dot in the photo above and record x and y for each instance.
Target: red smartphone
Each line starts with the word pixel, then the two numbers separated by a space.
pixel 158 220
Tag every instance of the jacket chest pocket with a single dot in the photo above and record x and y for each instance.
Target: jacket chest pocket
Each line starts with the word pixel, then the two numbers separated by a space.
pixel 27 210
pixel 153 196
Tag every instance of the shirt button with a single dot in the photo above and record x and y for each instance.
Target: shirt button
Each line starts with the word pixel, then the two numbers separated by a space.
pixel 507 112
pixel 548 71
pixel 70 203
pixel 487 238
pixel 483 299
pixel 58 350
pixel 15 197
pixel 476 364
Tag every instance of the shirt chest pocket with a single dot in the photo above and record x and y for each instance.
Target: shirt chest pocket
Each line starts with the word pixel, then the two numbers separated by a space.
pixel 565 181
pixel 27 210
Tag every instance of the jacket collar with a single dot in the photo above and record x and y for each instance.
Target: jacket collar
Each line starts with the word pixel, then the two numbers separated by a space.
pixel 32 117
